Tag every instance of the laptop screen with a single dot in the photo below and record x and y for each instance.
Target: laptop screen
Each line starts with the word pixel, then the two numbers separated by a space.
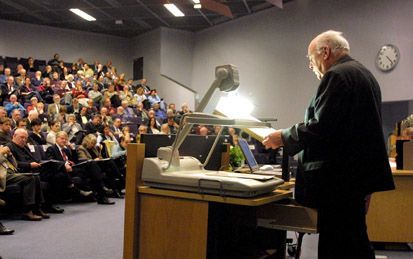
pixel 249 156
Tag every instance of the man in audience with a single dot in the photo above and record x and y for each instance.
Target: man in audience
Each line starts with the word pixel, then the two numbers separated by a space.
pixel 54 109
pixel 116 128
pixel 95 126
pixel 21 77
pixel 160 114
pixel 4 75
pixel 62 151
pixel 3 112
pixel 91 109
pixel 33 114
pixel 15 116
pixel 5 130
pixel 75 107
pixel 54 62
pixel 153 97
pixel 7 89
pixel 37 79
pixel 128 112
pixel 52 173
pixel 72 128
pixel 14 105
pixel 29 184
pixel 106 119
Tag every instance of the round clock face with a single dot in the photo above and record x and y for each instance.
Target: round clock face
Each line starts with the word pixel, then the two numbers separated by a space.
pixel 388 57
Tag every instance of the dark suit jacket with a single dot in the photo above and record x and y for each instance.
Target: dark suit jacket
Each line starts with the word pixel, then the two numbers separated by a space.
pixel 53 152
pixel 37 140
pixel 341 142
pixel 4 138
pixel 23 157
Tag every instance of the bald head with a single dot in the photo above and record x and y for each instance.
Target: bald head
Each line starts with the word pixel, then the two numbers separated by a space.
pixel 20 137
pixel 325 50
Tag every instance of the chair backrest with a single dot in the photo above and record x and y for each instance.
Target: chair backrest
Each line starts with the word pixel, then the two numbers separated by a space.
pixel 108 145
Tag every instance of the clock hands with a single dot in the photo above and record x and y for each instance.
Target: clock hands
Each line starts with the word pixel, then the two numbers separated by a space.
pixel 391 62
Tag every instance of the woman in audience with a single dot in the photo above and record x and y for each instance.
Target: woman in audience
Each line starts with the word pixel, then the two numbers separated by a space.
pixel 27 91
pixel 140 95
pixel 35 136
pixel 153 126
pixel 78 91
pixel 54 129
pixel 88 150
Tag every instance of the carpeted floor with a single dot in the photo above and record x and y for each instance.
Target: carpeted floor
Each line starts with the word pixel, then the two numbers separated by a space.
pixel 85 230
pixel 91 231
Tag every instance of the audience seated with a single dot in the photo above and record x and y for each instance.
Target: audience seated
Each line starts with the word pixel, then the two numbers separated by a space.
pixel 35 135
pixel 90 173
pixel 5 130
pixel 29 184
pixel 54 174
pixel 37 101
pixel 54 129
pixel 91 152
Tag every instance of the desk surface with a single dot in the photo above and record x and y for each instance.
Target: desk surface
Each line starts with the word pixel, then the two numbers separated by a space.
pixel 402 172
pixel 276 195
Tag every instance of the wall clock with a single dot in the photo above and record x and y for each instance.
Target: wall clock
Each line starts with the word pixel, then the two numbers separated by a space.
pixel 387 57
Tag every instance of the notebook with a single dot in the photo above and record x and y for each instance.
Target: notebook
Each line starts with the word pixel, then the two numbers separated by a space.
pixel 252 163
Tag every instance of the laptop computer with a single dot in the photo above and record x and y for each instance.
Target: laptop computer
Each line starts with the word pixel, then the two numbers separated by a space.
pixel 252 163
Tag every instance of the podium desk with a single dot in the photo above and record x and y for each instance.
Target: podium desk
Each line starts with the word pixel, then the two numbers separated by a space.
pixel 390 215
pixel 172 224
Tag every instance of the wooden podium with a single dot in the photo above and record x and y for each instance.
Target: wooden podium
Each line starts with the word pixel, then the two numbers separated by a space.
pixel 167 224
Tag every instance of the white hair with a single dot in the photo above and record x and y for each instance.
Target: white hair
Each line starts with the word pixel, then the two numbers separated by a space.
pixel 333 39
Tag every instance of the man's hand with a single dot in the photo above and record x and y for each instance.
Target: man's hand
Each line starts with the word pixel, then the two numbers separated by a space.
pixel 34 165
pixel 68 168
pixel 273 140
pixel 4 150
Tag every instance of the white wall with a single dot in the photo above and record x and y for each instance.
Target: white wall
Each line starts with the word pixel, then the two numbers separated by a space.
pixel 166 55
pixel 269 49
pixel 24 40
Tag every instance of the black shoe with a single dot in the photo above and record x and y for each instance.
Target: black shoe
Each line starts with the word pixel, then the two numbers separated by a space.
pixel 42 214
pixel 5 231
pixel 53 209
pixel 117 194
pixel 30 216
pixel 105 201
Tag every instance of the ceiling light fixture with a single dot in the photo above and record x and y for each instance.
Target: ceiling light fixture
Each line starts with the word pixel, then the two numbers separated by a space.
pixel 174 10
pixel 197 6
pixel 82 14
pixel 196 1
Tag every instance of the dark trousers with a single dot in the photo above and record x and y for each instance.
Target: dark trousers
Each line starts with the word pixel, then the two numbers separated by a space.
pixel 343 230
pixel 31 189
pixel 114 178
pixel 92 177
